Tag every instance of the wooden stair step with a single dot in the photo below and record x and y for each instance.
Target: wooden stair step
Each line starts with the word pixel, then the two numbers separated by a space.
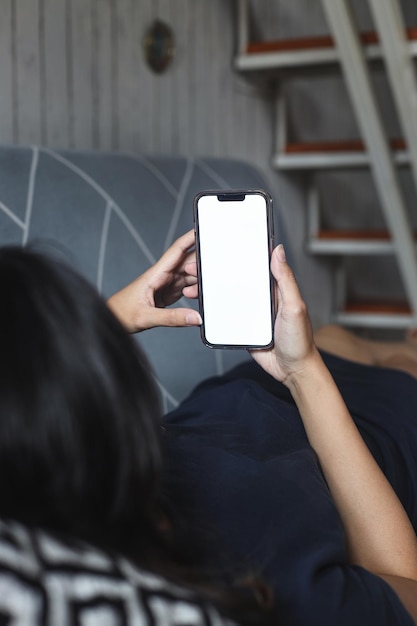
pixel 348 145
pixel 308 52
pixel 382 307
pixel 312 43
pixel 354 234
pixel 350 153
pixel 376 314
pixel 353 242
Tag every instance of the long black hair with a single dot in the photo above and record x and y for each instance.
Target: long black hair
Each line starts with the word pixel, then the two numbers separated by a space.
pixel 79 409
pixel 80 424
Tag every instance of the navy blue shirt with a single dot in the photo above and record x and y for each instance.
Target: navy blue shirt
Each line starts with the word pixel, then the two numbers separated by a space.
pixel 241 467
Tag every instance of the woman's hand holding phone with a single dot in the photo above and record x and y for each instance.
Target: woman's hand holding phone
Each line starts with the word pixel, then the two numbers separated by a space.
pixel 141 304
pixel 294 346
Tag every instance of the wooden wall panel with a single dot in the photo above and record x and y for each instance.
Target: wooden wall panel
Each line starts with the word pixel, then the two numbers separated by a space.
pixel 30 99
pixel 81 74
pixel 180 70
pixel 73 75
pixel 7 90
pixel 54 73
pixel 163 86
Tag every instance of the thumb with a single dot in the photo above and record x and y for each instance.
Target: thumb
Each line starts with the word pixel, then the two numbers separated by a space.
pixel 174 317
pixel 284 276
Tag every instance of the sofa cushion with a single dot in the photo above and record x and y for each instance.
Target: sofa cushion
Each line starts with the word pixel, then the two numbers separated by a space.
pixel 112 215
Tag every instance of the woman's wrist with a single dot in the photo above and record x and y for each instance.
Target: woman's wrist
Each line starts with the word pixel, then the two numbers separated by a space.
pixel 307 374
pixel 119 306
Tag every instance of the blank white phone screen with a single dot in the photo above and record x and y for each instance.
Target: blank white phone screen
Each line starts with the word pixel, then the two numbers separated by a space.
pixel 235 271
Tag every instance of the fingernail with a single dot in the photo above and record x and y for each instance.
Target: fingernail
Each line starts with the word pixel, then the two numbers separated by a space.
pixel 281 253
pixel 193 319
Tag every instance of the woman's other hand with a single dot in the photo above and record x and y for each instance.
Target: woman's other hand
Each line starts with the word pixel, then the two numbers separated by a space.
pixel 141 304
pixel 293 346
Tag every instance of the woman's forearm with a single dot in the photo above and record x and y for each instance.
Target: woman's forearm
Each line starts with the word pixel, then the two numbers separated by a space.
pixel 379 534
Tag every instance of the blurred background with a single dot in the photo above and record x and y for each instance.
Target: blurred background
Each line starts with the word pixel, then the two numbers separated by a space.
pixel 304 89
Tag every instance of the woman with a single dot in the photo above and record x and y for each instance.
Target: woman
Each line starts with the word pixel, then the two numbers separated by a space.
pixel 272 461
pixel 81 466
pixel 81 442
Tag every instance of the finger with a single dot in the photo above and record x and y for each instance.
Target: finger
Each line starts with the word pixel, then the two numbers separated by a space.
pixel 178 317
pixel 188 279
pixel 186 241
pixel 191 268
pixel 283 274
pixel 191 291
pixel 190 257
pixel 177 251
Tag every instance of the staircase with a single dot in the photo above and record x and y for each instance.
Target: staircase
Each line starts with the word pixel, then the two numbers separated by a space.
pixel 353 55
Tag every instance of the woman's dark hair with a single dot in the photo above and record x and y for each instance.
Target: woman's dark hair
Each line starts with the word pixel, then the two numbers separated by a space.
pixel 79 409
pixel 80 448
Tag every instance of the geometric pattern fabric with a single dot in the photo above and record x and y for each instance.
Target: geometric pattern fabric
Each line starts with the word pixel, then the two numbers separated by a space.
pixel 44 582
pixel 111 216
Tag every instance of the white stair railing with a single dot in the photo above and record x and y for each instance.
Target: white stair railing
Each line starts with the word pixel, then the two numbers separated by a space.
pixel 358 81
pixel 400 70
pixel 352 54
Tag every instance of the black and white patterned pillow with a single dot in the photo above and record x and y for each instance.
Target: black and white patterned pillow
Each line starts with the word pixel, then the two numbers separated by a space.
pixel 44 581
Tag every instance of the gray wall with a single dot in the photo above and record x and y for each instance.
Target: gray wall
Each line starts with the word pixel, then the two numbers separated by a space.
pixel 73 75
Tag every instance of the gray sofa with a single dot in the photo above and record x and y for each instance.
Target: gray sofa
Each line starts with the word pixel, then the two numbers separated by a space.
pixel 112 215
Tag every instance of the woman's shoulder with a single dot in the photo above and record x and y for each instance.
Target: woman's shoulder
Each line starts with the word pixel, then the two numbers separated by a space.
pixel 45 579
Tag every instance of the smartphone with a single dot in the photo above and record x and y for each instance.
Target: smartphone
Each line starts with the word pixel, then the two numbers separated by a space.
pixel 234 242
